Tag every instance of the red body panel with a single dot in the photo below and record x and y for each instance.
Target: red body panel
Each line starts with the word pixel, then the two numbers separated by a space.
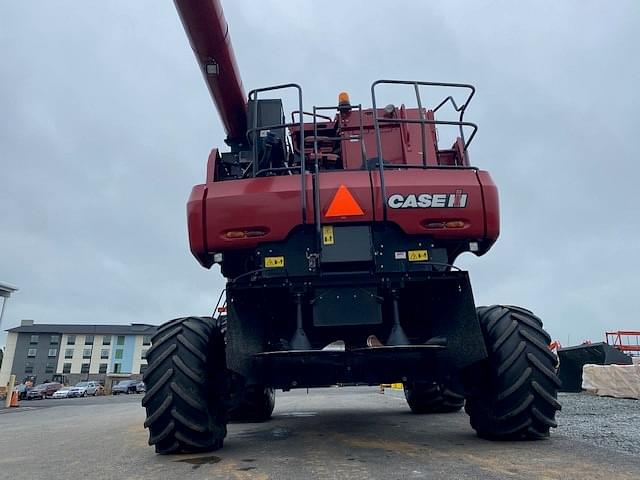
pixel 492 205
pixel 248 204
pixel 433 182
pixel 219 207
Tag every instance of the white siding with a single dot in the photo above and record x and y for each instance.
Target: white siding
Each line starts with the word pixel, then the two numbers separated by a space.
pixel 137 353
pixel 77 360
pixel 95 354
pixel 78 349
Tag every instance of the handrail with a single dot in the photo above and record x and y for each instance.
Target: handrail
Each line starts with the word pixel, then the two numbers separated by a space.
pixel 309 114
pixel 422 121
pixel 316 182
pixel 253 95
pixel 434 122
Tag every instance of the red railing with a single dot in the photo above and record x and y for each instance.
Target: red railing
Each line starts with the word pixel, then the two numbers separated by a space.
pixel 627 341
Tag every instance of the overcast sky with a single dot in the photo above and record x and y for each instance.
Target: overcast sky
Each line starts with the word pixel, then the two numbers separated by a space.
pixel 105 125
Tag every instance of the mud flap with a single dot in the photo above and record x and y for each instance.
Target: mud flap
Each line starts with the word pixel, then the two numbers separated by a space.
pixel 459 322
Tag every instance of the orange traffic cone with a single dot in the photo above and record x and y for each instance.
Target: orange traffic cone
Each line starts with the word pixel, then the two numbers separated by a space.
pixel 14 399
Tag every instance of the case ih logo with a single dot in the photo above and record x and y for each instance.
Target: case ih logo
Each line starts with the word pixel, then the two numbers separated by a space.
pixel 428 200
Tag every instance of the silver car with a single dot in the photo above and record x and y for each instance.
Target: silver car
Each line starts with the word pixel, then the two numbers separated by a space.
pixel 82 389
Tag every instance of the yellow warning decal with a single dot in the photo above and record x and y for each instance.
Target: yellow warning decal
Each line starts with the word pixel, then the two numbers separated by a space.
pixel 274 262
pixel 327 235
pixel 418 255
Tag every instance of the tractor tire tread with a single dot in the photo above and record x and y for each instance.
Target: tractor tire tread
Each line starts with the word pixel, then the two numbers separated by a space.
pixel 517 396
pixel 185 398
pixel 432 398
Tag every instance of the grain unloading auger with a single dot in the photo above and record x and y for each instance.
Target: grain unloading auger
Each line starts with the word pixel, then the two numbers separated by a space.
pixel 337 233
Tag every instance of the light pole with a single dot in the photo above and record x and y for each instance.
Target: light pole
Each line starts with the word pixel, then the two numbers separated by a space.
pixel 6 290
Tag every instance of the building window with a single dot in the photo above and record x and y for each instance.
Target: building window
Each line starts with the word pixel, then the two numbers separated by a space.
pixel 31 352
pixel 71 340
pixel 117 368
pixel 143 354
pixel 146 339
pixel 55 339
pixel 102 368
pixel 106 340
pixel 143 368
pixel 88 340
pixel 34 338
pixel 86 353
pixel 66 368
pixel 53 352
pixel 119 354
pixel 50 368
pixel 120 340
pixel 104 353
pixel 68 353
pixel 28 367
pixel 84 368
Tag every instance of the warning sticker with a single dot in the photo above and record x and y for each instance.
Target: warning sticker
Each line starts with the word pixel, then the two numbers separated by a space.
pixel 418 255
pixel 274 262
pixel 327 235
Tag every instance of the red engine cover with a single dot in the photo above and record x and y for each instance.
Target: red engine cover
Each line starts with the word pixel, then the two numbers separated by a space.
pixel 418 201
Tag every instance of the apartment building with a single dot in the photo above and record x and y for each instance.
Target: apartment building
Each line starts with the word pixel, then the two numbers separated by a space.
pixel 79 352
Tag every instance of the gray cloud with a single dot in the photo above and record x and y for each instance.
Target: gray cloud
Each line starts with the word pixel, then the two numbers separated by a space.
pixel 106 125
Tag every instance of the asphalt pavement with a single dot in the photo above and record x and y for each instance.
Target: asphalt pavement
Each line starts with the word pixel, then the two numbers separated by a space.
pixel 335 433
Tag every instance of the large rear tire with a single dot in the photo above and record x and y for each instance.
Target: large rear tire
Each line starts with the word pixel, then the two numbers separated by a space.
pixel 186 387
pixel 256 406
pixel 432 398
pixel 513 393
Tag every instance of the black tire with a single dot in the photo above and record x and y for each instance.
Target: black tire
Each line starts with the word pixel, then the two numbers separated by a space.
pixel 256 406
pixel 432 397
pixel 186 384
pixel 513 393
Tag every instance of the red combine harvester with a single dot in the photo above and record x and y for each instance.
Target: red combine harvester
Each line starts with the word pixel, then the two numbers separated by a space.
pixel 337 236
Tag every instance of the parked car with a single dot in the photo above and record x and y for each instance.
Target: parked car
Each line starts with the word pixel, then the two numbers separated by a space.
pixel 125 386
pixel 62 393
pixel 22 390
pixel 82 389
pixel 141 387
pixel 43 390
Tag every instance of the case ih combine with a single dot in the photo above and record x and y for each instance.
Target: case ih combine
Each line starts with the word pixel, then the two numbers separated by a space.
pixel 337 236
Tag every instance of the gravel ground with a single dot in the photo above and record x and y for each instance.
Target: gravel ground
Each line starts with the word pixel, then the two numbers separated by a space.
pixel 612 423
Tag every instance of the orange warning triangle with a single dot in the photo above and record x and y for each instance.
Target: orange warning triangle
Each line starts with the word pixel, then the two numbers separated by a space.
pixel 343 204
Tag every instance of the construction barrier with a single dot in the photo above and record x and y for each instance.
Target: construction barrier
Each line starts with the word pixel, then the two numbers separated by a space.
pixel 619 381
pixel 572 359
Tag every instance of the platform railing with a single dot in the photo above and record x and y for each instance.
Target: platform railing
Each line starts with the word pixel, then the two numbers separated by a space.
pixel 422 121
pixel 316 166
pixel 254 131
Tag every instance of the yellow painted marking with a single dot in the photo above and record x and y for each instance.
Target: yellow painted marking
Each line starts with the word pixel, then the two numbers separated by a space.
pixel 274 262
pixel 327 235
pixel 418 255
